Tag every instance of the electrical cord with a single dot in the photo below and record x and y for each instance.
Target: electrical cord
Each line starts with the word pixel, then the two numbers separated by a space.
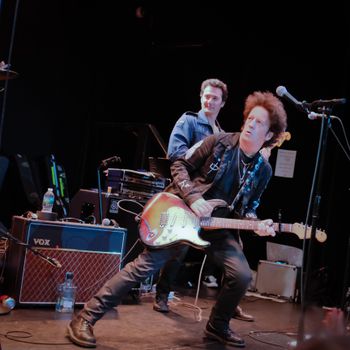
pixel 4 244
pixel 205 345
pixel 251 333
pixel 72 219
pixel 197 310
pixel 137 215
pixel 345 137
pixel 18 336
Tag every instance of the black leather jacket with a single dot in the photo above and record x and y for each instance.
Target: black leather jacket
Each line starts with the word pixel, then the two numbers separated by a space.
pixel 194 176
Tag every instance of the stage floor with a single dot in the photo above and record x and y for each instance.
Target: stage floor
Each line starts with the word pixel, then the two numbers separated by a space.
pixel 136 326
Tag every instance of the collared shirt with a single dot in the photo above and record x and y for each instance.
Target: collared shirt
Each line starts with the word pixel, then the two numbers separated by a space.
pixel 190 129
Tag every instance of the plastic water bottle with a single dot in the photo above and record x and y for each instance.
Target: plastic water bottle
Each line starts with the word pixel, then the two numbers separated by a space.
pixel 48 201
pixel 66 294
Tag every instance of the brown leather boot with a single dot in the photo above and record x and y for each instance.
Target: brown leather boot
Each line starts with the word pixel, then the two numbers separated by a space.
pixel 80 332
pixel 224 335
pixel 242 316
pixel 161 303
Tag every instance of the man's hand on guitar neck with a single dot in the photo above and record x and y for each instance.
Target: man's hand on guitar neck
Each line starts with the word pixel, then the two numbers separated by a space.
pixel 265 228
pixel 201 208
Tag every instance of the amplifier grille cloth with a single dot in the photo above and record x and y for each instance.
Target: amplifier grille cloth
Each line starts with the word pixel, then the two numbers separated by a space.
pixel 91 270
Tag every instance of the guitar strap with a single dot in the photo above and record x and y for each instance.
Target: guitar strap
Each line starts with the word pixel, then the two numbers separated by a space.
pixel 247 181
pixel 248 178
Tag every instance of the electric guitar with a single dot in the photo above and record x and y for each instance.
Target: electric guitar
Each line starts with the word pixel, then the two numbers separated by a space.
pixel 166 221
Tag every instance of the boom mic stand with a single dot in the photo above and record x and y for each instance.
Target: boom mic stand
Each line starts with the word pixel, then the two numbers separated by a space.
pixel 345 303
pixel 51 261
pixel 315 194
pixel 324 107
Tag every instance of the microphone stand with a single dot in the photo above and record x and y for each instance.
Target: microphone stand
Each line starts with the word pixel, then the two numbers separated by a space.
pixel 345 303
pixel 99 189
pixel 316 201
pixel 104 164
pixel 51 261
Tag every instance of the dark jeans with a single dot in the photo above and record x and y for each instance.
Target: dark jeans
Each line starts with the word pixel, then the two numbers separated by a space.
pixel 171 269
pixel 169 272
pixel 226 253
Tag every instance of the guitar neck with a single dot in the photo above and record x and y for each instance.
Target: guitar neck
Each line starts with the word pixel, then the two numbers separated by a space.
pixel 223 223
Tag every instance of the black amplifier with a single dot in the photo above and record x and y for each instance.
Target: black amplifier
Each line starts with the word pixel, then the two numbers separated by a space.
pixel 121 208
pixel 131 182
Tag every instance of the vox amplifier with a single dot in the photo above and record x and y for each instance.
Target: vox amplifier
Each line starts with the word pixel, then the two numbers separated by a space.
pixel 92 252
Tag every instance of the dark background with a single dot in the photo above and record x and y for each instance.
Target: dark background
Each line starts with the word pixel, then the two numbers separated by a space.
pixel 93 75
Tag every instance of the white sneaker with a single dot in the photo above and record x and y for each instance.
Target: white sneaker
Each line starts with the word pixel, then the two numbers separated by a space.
pixel 210 281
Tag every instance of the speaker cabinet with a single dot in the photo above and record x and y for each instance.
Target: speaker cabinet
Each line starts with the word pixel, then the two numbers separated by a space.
pixel 122 210
pixel 92 252
pixel 277 279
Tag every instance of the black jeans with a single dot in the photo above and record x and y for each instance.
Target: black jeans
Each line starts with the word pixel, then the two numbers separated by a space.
pixel 226 252
pixel 169 273
pixel 171 269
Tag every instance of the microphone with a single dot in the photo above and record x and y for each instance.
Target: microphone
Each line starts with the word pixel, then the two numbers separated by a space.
pixel 314 116
pixel 110 160
pixel 53 262
pixel 281 91
pixel 328 103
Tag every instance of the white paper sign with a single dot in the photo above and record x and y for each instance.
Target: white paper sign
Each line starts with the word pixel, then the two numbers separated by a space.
pixel 285 163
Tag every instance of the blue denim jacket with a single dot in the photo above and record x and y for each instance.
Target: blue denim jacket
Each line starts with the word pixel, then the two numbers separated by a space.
pixel 189 129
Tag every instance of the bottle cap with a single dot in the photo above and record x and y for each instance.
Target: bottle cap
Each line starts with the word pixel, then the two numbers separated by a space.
pixel 69 275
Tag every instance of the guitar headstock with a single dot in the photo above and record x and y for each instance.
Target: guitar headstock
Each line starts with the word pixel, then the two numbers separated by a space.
pixel 266 151
pixel 299 230
pixel 285 136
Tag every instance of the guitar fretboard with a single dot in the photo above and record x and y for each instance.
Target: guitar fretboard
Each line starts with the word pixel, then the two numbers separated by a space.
pixel 217 223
